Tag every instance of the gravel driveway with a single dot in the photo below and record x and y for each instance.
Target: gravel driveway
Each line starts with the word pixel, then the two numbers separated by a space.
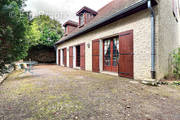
pixel 58 93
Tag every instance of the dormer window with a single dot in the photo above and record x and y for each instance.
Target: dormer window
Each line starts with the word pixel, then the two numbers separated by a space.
pixel 81 20
pixel 88 16
pixel 70 26
pixel 65 30
pixel 85 15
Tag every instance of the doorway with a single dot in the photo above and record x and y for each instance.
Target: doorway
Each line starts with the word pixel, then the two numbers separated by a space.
pixel 64 52
pixel 111 54
pixel 78 61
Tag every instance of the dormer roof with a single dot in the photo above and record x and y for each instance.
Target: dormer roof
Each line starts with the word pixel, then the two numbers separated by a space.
pixel 86 9
pixel 70 22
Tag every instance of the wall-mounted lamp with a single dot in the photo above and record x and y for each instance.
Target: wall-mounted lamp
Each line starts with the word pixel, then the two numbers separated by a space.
pixel 88 45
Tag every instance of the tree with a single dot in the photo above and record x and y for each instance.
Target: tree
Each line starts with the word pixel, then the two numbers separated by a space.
pixel 43 34
pixel 45 31
pixel 14 24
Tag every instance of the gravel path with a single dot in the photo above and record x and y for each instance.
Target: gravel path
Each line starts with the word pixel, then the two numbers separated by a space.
pixel 58 93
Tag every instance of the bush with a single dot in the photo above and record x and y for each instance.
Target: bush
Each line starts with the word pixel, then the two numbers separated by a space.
pixel 176 63
pixel 176 83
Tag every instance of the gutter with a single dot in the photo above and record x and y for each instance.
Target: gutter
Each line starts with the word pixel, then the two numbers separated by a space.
pixel 153 72
pixel 90 27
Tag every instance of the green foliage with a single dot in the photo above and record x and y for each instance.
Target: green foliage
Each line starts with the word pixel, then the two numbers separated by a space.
pixel 14 24
pixel 177 83
pixel 34 34
pixel 176 63
pixel 45 31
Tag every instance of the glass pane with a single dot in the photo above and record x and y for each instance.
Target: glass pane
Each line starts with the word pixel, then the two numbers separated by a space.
pixel 115 51
pixel 82 19
pixel 107 61
pixel 107 53
pixel 115 63
pixel 118 46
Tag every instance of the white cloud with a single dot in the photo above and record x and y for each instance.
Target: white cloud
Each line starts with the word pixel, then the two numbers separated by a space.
pixel 62 10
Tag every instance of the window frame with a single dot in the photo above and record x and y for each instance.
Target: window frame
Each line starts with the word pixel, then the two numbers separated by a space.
pixel 176 9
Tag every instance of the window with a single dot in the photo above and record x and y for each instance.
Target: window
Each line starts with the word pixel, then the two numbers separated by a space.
pixel 65 29
pixel 88 17
pixel 111 51
pixel 115 51
pixel 111 54
pixel 107 52
pixel 81 19
pixel 176 9
pixel 179 7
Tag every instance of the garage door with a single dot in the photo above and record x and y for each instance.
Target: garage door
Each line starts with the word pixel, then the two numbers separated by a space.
pixel 126 54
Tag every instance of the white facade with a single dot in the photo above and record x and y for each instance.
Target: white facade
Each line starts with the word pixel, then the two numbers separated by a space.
pixel 167 39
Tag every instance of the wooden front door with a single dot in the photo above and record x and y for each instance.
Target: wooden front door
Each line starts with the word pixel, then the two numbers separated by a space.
pixel 111 54
pixel 126 54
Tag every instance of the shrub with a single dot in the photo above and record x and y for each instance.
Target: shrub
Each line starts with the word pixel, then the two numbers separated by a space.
pixel 176 83
pixel 176 63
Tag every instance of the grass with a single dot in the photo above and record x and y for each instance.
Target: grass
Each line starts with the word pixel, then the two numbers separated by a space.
pixel 56 107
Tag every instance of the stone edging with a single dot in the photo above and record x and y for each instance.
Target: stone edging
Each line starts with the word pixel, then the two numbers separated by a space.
pixel 2 78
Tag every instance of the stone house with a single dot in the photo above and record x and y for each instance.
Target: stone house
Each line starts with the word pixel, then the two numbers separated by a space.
pixel 129 38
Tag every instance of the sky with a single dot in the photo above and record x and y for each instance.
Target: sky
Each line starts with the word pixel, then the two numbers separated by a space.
pixel 62 10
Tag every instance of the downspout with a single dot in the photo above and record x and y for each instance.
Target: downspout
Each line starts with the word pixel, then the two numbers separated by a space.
pixel 153 72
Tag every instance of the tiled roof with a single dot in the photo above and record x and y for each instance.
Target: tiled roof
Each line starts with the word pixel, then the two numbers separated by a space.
pixel 105 12
pixel 86 9
pixel 70 22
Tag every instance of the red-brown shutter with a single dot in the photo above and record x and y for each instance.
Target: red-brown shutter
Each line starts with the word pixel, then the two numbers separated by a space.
pixel 82 56
pixel 126 54
pixel 65 57
pixel 59 57
pixel 71 57
pixel 95 55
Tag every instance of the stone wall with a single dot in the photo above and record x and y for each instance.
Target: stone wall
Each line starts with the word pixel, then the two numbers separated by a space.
pixel 4 72
pixel 168 38
pixel 42 54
